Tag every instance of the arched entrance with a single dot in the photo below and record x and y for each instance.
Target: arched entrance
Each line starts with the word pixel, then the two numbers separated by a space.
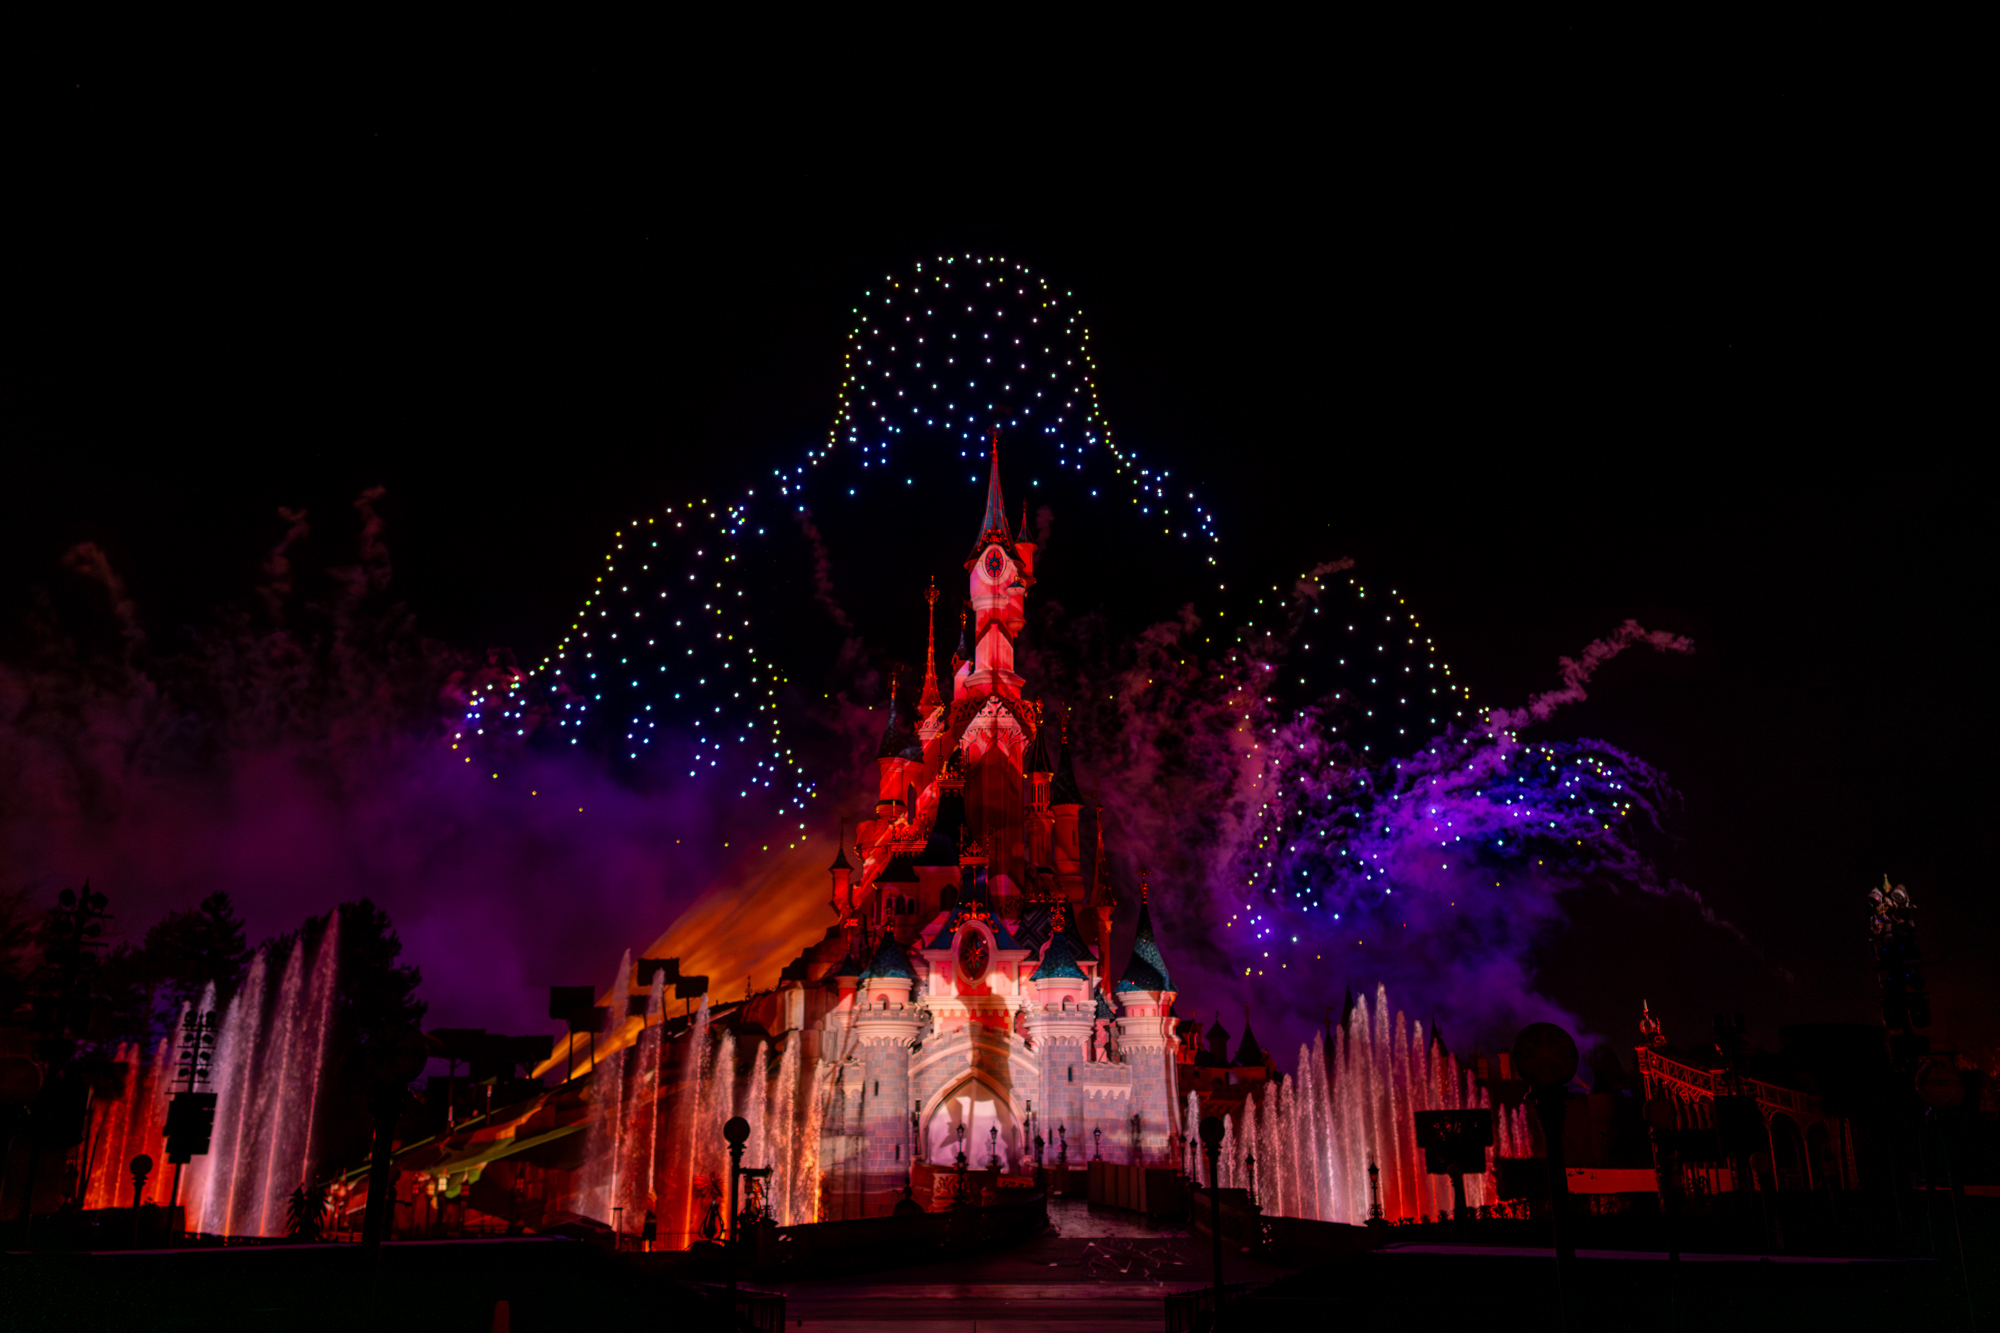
pixel 980 1109
pixel 1788 1153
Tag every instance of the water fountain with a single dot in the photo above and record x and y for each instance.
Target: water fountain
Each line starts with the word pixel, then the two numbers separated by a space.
pixel 597 1190
pixel 132 1123
pixel 1315 1136
pixel 270 1059
pixel 656 1116
pixel 621 1152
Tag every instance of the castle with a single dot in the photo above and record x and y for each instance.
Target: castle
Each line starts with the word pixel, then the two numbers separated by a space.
pixel 965 1002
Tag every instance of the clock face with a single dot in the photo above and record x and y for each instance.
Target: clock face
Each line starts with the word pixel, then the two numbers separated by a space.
pixel 996 563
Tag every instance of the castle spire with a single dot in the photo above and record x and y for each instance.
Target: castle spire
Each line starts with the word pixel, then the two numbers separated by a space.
pixel 930 698
pixel 993 527
pixel 1145 970
pixel 963 653
pixel 1249 1052
pixel 1062 788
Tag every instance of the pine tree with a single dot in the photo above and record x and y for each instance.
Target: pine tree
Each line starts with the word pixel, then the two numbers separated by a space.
pixel 187 950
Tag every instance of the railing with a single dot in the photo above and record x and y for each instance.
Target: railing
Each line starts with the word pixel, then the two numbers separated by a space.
pixel 1696 1084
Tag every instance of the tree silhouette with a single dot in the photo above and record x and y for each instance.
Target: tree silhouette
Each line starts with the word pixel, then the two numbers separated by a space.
pixel 187 950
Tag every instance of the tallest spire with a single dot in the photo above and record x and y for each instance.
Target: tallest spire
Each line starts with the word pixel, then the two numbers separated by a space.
pixel 996 509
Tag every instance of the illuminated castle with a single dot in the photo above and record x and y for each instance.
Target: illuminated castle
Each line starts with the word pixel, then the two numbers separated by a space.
pixel 964 1000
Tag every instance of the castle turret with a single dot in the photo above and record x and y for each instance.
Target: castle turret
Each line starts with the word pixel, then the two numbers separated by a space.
pixel 899 761
pixel 1057 976
pixel 1060 1021
pixel 1146 1038
pixel 1216 1056
pixel 885 1023
pixel 1145 970
pixel 1249 1052
pixel 843 876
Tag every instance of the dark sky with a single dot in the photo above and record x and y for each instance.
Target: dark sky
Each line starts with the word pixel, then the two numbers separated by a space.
pixel 1688 353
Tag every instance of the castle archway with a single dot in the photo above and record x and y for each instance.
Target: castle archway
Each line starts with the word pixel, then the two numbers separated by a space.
pixel 980 1108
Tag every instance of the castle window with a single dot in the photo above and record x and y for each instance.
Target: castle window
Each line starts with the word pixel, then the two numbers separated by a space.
pixel 1072 1073
pixel 972 955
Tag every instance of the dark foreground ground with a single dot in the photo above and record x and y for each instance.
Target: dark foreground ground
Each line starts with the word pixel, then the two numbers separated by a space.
pixel 1095 1270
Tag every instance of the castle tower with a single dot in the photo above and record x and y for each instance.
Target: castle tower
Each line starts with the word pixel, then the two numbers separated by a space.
pixel 885 1022
pixel 1060 1021
pixel 842 874
pixel 967 981
pixel 1146 1037
pixel 994 726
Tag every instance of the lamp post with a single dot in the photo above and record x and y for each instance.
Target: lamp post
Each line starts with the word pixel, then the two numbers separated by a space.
pixel 1546 1057
pixel 736 1130
pixel 142 1166
pixel 1211 1144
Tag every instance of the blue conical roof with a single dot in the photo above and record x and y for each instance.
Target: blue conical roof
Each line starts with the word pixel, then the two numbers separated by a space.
pixel 1146 969
pixel 890 960
pixel 1058 961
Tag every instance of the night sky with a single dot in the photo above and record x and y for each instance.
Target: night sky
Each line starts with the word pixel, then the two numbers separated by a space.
pixel 1696 362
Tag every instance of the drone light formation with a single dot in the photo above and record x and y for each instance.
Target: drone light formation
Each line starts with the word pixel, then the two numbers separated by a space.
pixel 1317 775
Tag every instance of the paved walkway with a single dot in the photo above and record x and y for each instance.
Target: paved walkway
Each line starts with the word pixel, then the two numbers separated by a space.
pixel 1096 1268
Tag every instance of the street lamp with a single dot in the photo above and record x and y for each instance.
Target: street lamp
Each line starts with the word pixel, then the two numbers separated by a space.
pixel 1211 1144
